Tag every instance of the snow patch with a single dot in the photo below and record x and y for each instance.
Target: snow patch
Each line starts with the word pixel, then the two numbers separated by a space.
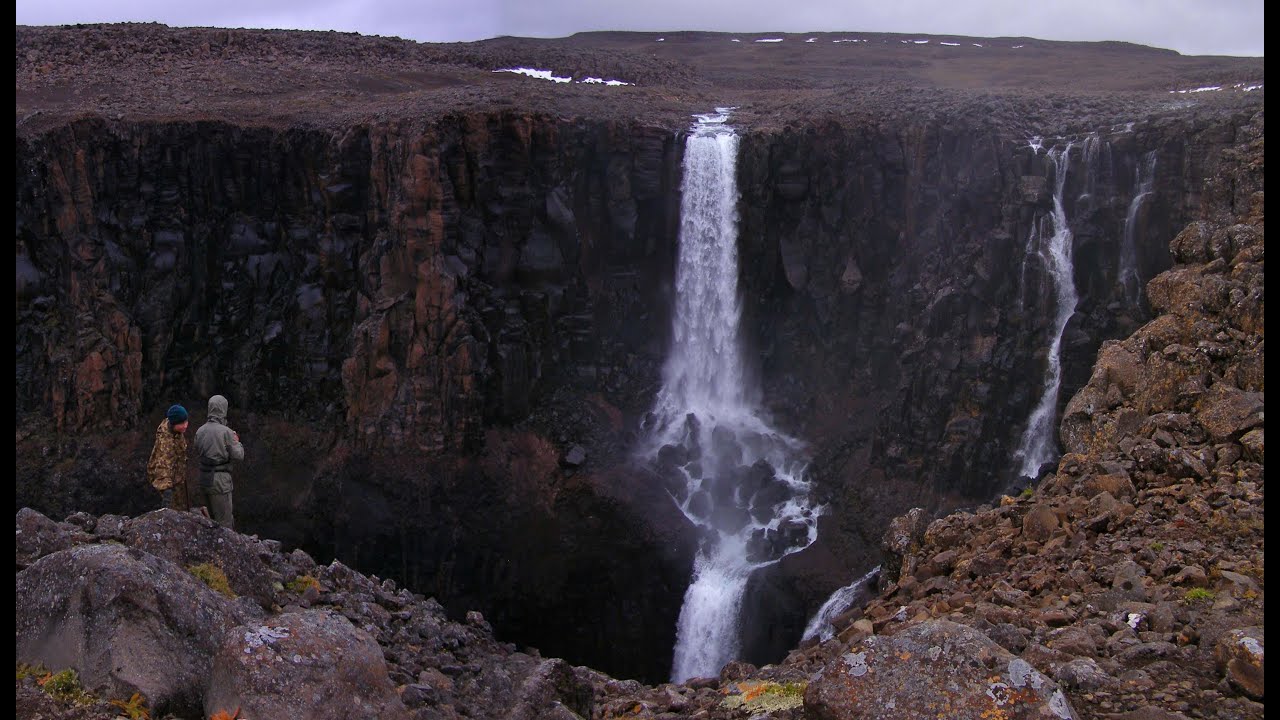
pixel 548 75
pixel 540 74
pixel 769 40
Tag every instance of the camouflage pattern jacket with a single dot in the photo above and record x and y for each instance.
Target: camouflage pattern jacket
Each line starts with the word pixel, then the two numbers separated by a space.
pixel 168 464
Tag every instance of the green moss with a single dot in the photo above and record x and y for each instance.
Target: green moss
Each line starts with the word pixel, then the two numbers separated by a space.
pixel 1028 492
pixel 756 696
pixel 213 576
pixel 25 671
pixel 65 686
pixel 300 584
pixel 1198 595
pixel 1157 546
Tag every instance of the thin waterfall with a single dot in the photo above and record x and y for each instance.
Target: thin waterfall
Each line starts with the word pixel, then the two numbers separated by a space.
pixel 734 476
pixel 1053 246
pixel 840 600
pixel 1143 181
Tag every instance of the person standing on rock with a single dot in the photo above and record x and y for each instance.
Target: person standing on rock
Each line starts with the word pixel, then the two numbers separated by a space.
pixel 217 446
pixel 167 468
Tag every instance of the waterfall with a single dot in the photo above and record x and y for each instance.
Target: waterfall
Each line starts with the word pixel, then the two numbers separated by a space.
pixel 1038 445
pixel 735 477
pixel 1144 179
pixel 840 600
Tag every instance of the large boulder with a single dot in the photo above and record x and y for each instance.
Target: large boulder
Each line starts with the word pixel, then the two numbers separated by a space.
pixel 125 620
pixel 311 664
pixel 190 539
pixel 38 536
pixel 934 669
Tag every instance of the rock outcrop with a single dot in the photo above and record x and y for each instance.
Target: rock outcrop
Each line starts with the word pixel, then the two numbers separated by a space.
pixel 125 620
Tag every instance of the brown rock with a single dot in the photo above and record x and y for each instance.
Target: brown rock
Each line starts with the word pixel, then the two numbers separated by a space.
pixel 1226 411
pixel 1239 656
pixel 1039 523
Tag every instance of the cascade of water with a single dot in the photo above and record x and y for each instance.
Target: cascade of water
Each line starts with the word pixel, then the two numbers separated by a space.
pixel 1143 181
pixel 738 479
pixel 1038 445
pixel 840 600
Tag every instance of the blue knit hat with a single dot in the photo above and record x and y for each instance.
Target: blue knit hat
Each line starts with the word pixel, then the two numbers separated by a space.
pixel 176 414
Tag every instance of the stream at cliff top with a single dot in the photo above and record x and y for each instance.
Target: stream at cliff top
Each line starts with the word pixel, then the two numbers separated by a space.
pixel 732 474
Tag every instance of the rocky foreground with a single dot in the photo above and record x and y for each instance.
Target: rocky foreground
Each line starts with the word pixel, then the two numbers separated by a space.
pixel 1129 584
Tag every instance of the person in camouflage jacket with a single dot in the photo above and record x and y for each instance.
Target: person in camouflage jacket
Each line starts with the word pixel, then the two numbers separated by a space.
pixel 167 468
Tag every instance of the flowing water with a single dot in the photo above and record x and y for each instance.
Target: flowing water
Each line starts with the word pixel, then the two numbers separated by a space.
pixel 1050 240
pixel 732 474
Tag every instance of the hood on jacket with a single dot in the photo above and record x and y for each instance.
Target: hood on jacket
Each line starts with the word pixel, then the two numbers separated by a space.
pixel 218 409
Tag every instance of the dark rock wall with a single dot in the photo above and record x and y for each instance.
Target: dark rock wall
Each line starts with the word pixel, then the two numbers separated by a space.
pixel 902 328
pixel 396 291
pixel 363 298
pixel 406 283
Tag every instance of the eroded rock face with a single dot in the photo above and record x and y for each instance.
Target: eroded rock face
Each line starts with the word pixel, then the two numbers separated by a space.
pixel 311 664
pixel 935 667
pixel 125 620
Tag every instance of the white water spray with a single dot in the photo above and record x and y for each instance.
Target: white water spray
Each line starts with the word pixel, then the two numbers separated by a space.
pixel 739 480
pixel 1054 249
pixel 1143 181
pixel 840 600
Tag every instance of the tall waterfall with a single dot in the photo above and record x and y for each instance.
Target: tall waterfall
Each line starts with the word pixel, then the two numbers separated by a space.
pixel 739 480
pixel 1144 179
pixel 840 600
pixel 1052 243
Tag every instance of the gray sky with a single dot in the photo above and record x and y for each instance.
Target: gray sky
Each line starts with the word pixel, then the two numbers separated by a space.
pixel 1192 27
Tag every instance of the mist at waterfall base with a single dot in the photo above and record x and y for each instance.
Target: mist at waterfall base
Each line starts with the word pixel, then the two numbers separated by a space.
pixel 740 481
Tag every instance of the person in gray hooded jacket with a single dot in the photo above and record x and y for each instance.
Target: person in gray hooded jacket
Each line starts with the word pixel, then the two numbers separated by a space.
pixel 217 446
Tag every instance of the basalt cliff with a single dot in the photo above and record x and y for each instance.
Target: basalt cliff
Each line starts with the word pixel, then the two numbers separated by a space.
pixel 439 299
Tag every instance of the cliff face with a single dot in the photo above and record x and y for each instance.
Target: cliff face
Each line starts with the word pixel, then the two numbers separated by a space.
pixel 404 283
pixel 416 321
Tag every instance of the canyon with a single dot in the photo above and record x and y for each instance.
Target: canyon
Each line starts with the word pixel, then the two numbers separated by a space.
pixel 440 299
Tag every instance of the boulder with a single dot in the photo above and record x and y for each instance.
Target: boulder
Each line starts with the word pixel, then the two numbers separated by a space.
pixel 125 620
pixel 1225 411
pixel 309 664
pixel 934 669
pixel 38 536
pixel 190 539
pixel 1239 657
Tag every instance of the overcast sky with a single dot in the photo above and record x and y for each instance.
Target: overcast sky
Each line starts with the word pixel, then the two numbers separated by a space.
pixel 1192 27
